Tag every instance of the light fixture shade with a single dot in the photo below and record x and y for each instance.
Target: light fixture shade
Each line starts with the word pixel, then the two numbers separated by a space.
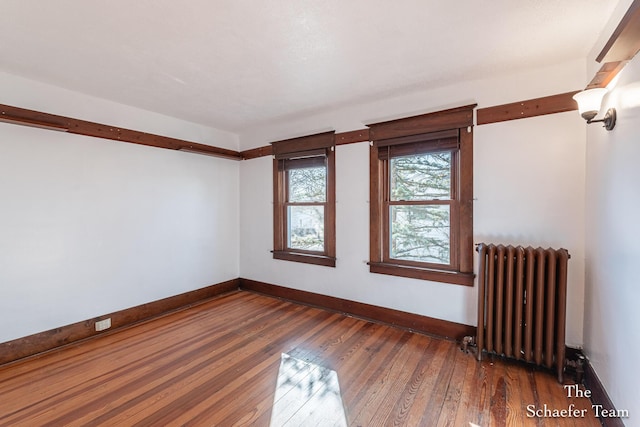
pixel 589 102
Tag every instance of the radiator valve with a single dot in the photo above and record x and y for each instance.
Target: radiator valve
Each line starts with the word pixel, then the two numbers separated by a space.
pixel 578 366
pixel 467 342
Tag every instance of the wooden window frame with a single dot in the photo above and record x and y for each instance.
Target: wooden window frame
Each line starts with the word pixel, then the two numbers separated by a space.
pixel 300 150
pixel 419 134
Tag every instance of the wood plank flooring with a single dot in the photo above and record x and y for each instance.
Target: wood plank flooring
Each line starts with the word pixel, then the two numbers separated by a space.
pixel 247 359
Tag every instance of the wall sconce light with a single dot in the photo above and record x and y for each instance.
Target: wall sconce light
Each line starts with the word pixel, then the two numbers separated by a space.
pixel 589 104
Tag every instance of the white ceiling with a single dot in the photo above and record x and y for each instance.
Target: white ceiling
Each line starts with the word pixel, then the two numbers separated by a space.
pixel 237 64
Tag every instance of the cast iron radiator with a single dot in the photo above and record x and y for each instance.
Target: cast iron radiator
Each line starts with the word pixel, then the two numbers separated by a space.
pixel 522 300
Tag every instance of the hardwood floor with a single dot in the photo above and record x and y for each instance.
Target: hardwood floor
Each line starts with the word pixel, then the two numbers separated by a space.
pixel 247 359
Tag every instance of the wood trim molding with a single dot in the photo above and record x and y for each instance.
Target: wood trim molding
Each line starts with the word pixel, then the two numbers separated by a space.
pixel 606 74
pixel 498 113
pixel 453 277
pixel 624 43
pixel 327 261
pixel 599 395
pixel 415 322
pixel 31 123
pixel 303 143
pixel 343 138
pixel 254 153
pixel 621 47
pixel 425 123
pixel 465 215
pixel 53 339
pixel 351 137
pixel 529 108
pixel 22 116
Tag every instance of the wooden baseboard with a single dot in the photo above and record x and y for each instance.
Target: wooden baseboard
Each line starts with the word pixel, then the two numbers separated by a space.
pixel 31 345
pixel 599 396
pixel 423 324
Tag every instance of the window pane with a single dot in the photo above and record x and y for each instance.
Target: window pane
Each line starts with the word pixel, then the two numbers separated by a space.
pixel 421 176
pixel 420 233
pixel 306 227
pixel 307 184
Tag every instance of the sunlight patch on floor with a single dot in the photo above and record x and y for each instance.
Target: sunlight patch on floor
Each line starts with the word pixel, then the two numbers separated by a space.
pixel 306 394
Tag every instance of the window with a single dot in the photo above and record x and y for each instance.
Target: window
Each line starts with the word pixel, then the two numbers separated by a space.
pixel 419 207
pixel 304 199
pixel 421 197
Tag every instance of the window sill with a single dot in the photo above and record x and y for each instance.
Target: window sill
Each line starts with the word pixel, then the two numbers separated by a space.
pixel 453 277
pixel 305 258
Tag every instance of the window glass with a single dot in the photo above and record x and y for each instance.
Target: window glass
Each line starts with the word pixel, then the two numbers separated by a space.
pixel 424 176
pixel 306 227
pixel 420 233
pixel 308 185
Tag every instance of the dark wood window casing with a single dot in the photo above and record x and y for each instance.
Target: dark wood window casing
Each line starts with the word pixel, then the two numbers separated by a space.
pixel 448 131
pixel 298 153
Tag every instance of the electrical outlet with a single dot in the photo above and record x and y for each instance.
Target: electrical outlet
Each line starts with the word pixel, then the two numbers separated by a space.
pixel 103 324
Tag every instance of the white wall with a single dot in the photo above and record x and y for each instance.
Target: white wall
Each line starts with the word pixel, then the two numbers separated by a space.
pixel 529 184
pixel 611 317
pixel 612 337
pixel 528 178
pixel 90 226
